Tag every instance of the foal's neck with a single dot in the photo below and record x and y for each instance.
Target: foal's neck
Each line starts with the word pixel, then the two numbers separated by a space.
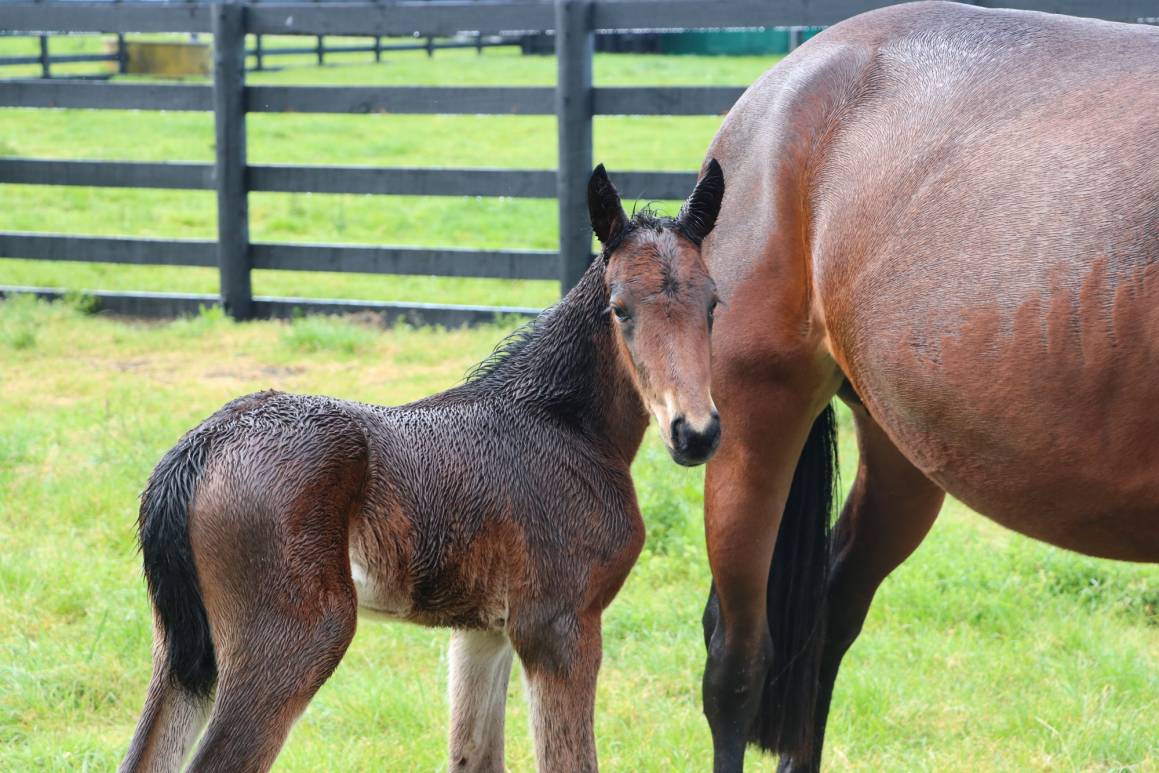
pixel 568 364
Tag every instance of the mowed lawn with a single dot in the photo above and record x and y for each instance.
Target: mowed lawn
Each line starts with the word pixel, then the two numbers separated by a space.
pixel 986 651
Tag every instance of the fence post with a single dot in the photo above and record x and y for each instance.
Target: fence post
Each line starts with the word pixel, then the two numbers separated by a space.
pixel 122 55
pixel 574 44
pixel 377 48
pixel 230 169
pixel 45 59
pixel 259 62
pixel 321 49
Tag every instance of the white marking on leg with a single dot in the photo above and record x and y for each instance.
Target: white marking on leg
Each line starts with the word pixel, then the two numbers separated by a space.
pixel 480 669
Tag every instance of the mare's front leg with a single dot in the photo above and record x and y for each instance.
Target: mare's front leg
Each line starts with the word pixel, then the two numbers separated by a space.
pixel 561 661
pixel 480 670
pixel 765 426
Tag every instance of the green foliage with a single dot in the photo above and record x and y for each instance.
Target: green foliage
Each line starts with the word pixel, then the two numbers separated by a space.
pixel 17 322
pixel 209 319
pixel 80 301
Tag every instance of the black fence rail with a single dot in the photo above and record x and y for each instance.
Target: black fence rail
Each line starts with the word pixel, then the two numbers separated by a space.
pixel 259 54
pixel 575 100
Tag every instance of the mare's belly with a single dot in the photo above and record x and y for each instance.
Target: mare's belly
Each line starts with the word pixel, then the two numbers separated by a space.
pixel 1035 413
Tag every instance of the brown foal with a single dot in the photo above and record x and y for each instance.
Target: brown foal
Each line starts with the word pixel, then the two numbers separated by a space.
pixel 503 509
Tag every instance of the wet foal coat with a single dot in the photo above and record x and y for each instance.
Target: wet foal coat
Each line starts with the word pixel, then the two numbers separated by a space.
pixel 503 508
pixel 949 217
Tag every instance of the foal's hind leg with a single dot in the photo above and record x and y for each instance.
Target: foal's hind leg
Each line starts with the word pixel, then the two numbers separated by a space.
pixel 170 722
pixel 275 665
pixel 561 664
pixel 480 672
pixel 282 608
pixel 889 512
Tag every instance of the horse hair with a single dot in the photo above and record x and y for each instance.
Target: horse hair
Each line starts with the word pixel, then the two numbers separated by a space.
pixel 796 597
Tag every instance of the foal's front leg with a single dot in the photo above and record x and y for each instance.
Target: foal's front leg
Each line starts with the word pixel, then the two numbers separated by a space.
pixel 480 671
pixel 561 669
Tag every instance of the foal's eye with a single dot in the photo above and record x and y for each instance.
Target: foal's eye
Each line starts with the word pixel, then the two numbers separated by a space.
pixel 620 312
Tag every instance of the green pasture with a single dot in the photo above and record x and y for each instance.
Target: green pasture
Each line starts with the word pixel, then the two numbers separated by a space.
pixel 986 651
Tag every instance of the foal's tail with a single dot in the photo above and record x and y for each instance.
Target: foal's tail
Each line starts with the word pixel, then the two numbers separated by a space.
pixel 796 598
pixel 169 568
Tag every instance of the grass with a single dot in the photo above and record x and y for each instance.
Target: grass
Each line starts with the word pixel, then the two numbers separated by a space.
pixel 984 651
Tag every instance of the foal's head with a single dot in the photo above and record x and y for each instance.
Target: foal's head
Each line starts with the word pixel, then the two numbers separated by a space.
pixel 661 302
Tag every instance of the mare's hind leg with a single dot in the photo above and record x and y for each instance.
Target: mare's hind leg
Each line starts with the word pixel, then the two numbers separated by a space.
pixel 561 662
pixel 169 723
pixel 889 512
pixel 479 674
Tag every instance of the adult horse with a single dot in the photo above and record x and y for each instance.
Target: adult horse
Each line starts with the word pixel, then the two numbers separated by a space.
pixel 949 218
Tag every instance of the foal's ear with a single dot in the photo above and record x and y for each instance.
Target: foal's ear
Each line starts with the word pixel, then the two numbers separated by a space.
pixel 604 208
pixel 698 215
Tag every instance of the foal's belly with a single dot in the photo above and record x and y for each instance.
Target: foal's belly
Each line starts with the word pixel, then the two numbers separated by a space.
pixel 1039 412
pixel 377 598
pixel 469 585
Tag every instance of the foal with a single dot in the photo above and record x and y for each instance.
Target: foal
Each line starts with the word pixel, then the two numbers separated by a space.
pixel 503 509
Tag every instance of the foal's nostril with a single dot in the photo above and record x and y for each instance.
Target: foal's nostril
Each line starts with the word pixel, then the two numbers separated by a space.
pixel 694 446
pixel 712 431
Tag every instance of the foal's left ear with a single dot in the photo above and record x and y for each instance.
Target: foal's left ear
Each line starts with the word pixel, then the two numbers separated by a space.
pixel 604 207
pixel 698 215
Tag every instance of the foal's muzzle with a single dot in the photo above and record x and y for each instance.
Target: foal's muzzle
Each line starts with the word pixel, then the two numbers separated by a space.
pixel 692 446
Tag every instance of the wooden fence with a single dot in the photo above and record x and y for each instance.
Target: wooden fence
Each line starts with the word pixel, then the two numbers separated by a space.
pixel 575 100
pixel 260 52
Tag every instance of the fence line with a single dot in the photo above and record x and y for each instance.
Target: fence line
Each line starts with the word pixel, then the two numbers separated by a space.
pixel 260 52
pixel 289 178
pixel 574 101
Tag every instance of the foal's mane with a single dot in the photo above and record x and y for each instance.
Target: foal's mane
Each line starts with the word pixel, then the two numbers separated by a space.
pixel 646 218
pixel 567 323
pixel 508 348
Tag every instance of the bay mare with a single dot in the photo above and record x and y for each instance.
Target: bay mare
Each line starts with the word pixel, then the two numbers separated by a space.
pixel 947 217
pixel 503 508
